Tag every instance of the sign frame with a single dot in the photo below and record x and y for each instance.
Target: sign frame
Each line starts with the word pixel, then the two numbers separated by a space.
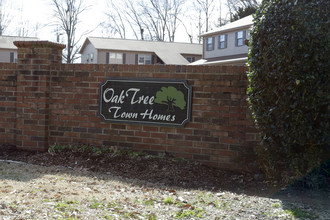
pixel 148 82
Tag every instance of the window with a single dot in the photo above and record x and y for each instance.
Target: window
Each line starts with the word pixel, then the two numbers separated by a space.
pixel 13 57
pixel 222 41
pixel 190 59
pixel 115 58
pixel 210 43
pixel 144 59
pixel 87 58
pixel 92 57
pixel 240 37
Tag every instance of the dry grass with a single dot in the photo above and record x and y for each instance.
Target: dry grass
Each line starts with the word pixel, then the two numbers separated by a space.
pixel 38 192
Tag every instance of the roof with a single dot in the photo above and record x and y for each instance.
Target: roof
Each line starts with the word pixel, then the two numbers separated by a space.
pixel 7 42
pixel 169 52
pixel 245 22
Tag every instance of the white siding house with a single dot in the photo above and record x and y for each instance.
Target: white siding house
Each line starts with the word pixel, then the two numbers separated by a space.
pixel 227 44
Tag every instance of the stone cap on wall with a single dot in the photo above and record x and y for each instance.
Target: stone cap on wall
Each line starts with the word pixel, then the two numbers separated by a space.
pixel 39 44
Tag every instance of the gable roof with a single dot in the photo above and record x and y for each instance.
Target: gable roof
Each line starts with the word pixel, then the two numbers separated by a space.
pixel 242 23
pixel 7 42
pixel 169 52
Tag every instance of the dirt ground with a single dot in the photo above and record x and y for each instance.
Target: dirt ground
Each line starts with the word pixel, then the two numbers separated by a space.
pixel 166 170
pixel 171 172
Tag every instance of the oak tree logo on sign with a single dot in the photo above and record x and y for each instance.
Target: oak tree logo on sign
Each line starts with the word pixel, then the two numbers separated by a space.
pixel 158 102
pixel 171 97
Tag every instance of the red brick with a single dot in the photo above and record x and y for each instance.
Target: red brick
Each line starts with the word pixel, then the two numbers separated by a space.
pixel 142 134
pixel 134 139
pixel 218 114
pixel 149 128
pixel 229 141
pixel 158 135
pixel 192 150
pixel 150 140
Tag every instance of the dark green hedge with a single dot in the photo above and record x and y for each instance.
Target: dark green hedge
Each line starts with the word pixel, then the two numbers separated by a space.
pixel 289 91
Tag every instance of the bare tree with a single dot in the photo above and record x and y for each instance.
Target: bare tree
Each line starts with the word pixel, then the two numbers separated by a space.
pixel 123 17
pixel 175 11
pixel 116 21
pixel 241 8
pixel 157 15
pixel 203 16
pixel 207 8
pixel 23 26
pixel 134 15
pixel 4 17
pixel 152 19
pixel 67 14
pixel 160 19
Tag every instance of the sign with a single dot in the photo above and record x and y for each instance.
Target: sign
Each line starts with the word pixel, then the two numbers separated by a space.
pixel 145 101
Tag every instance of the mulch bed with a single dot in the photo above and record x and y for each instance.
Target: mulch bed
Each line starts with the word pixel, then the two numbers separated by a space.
pixel 165 170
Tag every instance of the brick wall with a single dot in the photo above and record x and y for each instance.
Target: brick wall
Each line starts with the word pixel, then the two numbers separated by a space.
pixel 58 103
pixel 8 79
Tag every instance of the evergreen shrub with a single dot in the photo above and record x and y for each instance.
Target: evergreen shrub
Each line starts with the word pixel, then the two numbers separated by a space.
pixel 289 88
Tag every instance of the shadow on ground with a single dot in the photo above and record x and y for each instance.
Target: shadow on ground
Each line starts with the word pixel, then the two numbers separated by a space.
pixel 169 172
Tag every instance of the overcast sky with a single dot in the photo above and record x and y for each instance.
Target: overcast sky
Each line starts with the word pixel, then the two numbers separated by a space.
pixel 25 15
pixel 35 17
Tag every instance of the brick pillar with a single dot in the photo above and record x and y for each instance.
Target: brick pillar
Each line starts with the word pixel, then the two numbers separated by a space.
pixel 35 59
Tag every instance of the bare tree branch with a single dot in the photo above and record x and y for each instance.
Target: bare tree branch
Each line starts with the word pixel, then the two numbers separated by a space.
pixel 67 14
pixel 5 19
pixel 157 18
pixel 207 7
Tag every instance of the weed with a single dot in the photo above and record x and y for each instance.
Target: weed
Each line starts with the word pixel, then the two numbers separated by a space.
pixel 96 205
pixel 149 202
pixel 136 201
pixel 62 206
pixel 276 205
pixel 135 154
pixel 152 216
pixel 112 205
pixel 168 200
pixel 190 213
pixel 107 217
pixel 34 191
pixel 66 206
pixel 205 198
pixel 84 148
pixel 55 148
pixel 222 205
pixel 122 152
pixel 133 215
